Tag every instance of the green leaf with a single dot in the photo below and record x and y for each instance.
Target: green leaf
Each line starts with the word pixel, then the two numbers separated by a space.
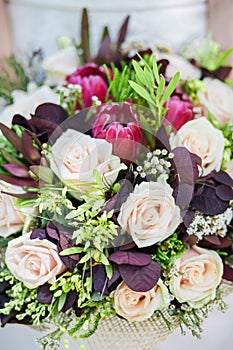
pixel 104 260
pixel 155 70
pixel 109 271
pixel 61 301
pixel 71 251
pixel 141 92
pixel 223 57
pixel 160 87
pixel 170 88
pixel 140 74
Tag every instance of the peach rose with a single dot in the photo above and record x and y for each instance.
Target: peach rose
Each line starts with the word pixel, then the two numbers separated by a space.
pixel 199 272
pixel 33 261
pixel 218 99
pixel 139 306
pixel 199 136
pixel 11 219
pixel 149 214
pixel 75 156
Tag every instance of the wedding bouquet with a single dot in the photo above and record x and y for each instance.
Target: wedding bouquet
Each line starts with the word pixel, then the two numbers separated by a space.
pixel 116 192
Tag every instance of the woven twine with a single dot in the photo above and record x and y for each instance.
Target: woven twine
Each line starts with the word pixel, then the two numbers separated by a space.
pixel 115 333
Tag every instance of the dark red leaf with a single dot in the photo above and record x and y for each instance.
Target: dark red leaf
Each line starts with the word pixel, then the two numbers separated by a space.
pixel 70 300
pixel 51 112
pixel 208 203
pixel 228 272
pixel 141 278
pixel 99 277
pixel 44 294
pixel 85 36
pixel 26 195
pixel 16 170
pixel 39 233
pixel 12 137
pixel 224 192
pixel 18 181
pixel 122 33
pixel 130 258
pixel 104 53
pixel 29 151
pixel 223 178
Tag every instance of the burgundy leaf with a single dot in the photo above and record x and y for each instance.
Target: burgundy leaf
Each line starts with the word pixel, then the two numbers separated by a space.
pixel 130 258
pixel 52 232
pixel 208 203
pixel 224 192
pixel 127 246
pixel 183 194
pixel 25 195
pixel 12 137
pixel 104 53
pixel 16 170
pixel 122 33
pixel 99 277
pixel 44 294
pixel 70 300
pixel 51 112
pixel 186 164
pixel 188 218
pixel 38 233
pixel 223 178
pixel 18 181
pixel 85 40
pixel 215 242
pixel 228 272
pixel 188 240
pixel 220 73
pixel 141 278
pixel 29 151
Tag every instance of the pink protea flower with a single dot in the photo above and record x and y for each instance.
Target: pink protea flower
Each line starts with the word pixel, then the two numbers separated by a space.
pixel 119 125
pixel 180 110
pixel 93 81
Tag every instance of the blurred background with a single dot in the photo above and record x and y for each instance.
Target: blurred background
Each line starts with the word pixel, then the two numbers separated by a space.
pixel 26 25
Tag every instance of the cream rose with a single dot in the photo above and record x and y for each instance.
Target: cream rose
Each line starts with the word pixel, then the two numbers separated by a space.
pixel 11 219
pixel 199 136
pixel 218 99
pixel 59 65
pixel 199 272
pixel 33 261
pixel 149 214
pixel 179 64
pixel 139 306
pixel 25 103
pixel 75 156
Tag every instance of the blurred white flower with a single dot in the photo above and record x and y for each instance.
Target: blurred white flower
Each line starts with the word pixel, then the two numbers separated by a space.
pixel 25 103
pixel 59 65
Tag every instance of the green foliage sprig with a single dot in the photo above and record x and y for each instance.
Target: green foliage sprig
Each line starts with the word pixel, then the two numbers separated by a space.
pixel 167 250
pixel 151 86
pixel 13 77
pixel 23 300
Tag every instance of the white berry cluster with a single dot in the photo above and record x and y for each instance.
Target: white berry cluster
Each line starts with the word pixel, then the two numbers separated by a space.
pixel 203 225
pixel 69 94
pixel 156 163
